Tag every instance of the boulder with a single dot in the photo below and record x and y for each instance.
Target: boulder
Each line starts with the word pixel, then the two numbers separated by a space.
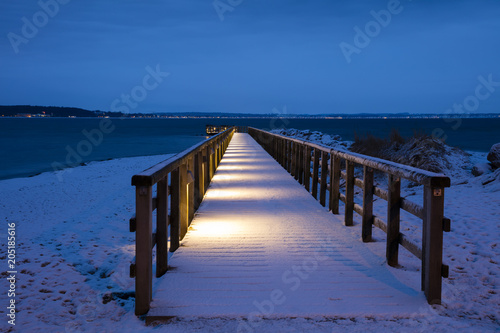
pixel 494 155
pixel 480 169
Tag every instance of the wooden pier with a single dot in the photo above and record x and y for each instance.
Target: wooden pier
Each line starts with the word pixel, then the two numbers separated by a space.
pixel 251 241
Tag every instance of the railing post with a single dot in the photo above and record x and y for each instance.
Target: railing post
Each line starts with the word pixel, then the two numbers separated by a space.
pixel 162 227
pixel 349 194
pixel 207 165
pixel 393 211
pixel 183 201
pixel 367 219
pixel 315 173
pixel 144 252
pixel 301 164
pixel 175 225
pixel 283 152
pixel 275 148
pixel 219 154
pixel 334 183
pixel 190 189
pixel 307 168
pixel 297 161
pixel 324 178
pixel 281 159
pixel 432 243
pixel 289 156
pixel 200 178
pixel 293 160
pixel 213 165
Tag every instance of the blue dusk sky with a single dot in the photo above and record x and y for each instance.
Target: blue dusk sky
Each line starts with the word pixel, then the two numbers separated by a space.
pixel 253 56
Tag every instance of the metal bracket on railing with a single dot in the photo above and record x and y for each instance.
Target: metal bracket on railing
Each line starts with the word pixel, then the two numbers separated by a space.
pixel 133 224
pixel 445 271
pixel 446 224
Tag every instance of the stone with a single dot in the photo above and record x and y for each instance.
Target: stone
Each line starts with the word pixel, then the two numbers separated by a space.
pixel 494 155
pixel 480 169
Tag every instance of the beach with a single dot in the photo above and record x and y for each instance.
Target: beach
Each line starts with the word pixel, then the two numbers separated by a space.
pixel 73 250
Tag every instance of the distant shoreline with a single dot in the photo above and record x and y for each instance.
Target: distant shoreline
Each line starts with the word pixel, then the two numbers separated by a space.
pixel 35 111
pixel 479 116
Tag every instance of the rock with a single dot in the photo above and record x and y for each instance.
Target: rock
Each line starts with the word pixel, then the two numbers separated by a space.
pixel 493 177
pixel 480 169
pixel 494 155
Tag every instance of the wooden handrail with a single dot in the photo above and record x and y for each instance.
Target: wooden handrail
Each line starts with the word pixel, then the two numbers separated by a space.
pixel 327 162
pixel 189 173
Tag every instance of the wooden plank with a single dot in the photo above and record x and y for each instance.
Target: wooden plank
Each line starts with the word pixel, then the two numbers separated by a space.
pixel 432 243
pixel 213 162
pixel 379 224
pixel 280 150
pixel 349 194
pixel 143 249
pixel 317 154
pixel 335 184
pixel 393 212
pixel 283 153
pixel 367 217
pixel 380 193
pixel 301 164
pixel 183 201
pixel 324 178
pixel 359 183
pixel 307 168
pixel 206 166
pixel 190 188
pixel 293 159
pixel 289 156
pixel 198 180
pixel 297 160
pixel 358 209
pixel 175 225
pixel 410 245
pixel 162 227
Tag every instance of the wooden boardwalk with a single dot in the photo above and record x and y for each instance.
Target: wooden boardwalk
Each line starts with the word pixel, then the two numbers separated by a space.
pixel 261 245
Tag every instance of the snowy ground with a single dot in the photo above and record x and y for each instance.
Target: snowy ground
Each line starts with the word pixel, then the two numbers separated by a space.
pixel 74 249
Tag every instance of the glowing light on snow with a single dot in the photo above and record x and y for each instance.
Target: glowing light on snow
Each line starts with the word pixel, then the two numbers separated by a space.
pixel 215 228
pixel 222 194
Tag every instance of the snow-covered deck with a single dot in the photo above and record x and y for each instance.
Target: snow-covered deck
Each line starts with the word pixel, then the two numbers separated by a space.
pixel 261 246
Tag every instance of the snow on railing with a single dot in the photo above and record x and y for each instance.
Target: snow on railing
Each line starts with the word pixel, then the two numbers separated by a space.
pixel 189 173
pixel 296 157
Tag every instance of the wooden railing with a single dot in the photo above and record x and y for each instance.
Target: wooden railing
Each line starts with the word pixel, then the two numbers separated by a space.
pixel 296 157
pixel 190 173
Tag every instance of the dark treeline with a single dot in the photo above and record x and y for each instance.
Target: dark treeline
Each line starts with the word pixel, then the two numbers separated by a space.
pixel 53 111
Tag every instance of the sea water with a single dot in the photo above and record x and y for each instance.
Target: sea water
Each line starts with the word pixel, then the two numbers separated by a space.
pixel 33 145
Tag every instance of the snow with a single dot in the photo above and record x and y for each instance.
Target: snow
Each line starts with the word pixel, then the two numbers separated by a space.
pixel 74 250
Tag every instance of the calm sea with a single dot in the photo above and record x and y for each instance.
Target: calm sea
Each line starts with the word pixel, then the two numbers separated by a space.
pixel 29 146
